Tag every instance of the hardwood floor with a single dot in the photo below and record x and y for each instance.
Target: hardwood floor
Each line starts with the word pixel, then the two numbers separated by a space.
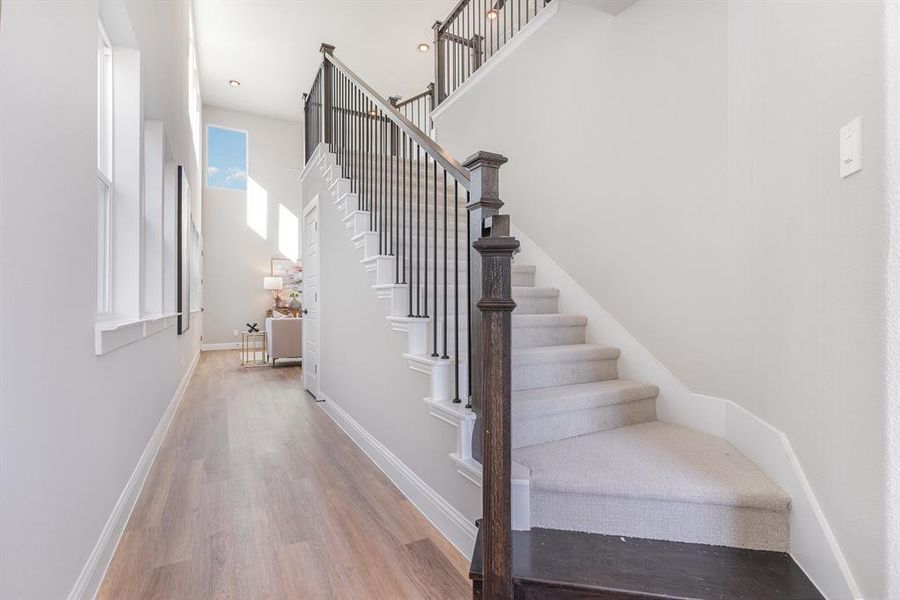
pixel 256 493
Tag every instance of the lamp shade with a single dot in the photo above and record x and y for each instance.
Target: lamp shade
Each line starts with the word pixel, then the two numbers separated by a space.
pixel 272 283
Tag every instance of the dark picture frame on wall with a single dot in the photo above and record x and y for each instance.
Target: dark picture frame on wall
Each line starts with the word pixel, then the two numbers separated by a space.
pixel 183 245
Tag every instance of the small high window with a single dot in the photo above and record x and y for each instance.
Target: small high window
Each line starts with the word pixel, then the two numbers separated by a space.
pixel 226 158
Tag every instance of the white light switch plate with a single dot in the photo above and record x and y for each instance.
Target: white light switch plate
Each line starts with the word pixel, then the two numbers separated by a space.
pixel 851 147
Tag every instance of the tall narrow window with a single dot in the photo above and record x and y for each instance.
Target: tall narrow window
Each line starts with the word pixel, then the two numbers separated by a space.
pixel 104 170
pixel 195 102
pixel 226 158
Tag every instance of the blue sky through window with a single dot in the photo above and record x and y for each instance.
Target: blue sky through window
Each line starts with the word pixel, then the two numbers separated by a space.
pixel 226 158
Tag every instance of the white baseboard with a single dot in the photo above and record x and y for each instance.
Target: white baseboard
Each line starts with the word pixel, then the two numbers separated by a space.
pixel 88 583
pixel 449 521
pixel 220 346
pixel 813 544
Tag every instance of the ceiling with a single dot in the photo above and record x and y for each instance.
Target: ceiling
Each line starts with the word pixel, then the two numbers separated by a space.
pixel 272 48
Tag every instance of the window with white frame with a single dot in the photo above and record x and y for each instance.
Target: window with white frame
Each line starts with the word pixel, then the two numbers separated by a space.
pixel 195 102
pixel 104 171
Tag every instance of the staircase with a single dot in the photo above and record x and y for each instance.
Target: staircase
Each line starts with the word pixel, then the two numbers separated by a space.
pixel 619 504
pixel 600 461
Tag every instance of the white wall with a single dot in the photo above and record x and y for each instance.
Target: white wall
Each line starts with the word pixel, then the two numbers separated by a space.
pixel 73 424
pixel 244 231
pixel 680 161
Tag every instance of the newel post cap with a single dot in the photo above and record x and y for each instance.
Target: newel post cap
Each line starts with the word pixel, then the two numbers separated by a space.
pixel 326 48
pixel 485 159
pixel 394 100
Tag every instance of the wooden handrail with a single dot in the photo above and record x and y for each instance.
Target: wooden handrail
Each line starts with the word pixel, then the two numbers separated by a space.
pixel 423 94
pixel 436 152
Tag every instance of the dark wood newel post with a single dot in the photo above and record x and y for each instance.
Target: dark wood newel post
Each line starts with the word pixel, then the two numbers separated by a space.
pixel 496 305
pixel 327 89
pixel 491 364
pixel 484 203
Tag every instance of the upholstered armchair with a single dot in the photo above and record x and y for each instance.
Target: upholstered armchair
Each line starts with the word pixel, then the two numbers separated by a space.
pixel 284 338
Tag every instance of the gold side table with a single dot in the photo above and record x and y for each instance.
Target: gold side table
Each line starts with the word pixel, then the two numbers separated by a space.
pixel 253 348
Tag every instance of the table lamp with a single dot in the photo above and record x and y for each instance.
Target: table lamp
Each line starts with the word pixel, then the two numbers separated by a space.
pixel 275 284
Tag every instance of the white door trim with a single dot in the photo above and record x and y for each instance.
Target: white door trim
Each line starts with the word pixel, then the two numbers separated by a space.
pixel 309 208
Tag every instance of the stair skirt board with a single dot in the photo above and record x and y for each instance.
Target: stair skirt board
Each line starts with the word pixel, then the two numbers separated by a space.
pixel 567 392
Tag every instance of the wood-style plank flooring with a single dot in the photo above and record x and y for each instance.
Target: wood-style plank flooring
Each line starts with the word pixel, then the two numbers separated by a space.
pixel 256 493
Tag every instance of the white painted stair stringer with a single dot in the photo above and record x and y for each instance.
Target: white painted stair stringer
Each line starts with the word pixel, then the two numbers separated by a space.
pixel 440 371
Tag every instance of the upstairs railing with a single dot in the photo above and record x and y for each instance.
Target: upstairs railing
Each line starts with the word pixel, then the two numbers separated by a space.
pixel 471 34
pixel 312 116
pixel 417 108
pixel 457 274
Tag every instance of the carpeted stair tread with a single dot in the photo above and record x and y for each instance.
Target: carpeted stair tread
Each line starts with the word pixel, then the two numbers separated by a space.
pixel 654 460
pixel 532 404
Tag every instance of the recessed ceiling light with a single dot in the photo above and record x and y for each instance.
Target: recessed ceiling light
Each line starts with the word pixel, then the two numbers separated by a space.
pixel 234 83
pixel 492 14
pixel 424 47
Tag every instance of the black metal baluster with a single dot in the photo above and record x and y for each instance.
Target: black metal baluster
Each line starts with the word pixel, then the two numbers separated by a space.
pixel 409 215
pixel 425 268
pixel 373 177
pixel 382 230
pixel 503 12
pixel 456 399
pixel 434 268
pixel 468 304
pixel 418 232
pixel 388 181
pixel 358 124
pixel 403 249
pixel 398 249
pixel 367 190
pixel 445 355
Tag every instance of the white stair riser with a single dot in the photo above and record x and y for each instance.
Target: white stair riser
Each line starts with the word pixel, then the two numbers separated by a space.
pixel 549 374
pixel 523 279
pixel 535 337
pixel 536 305
pixel 661 519
pixel 549 428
